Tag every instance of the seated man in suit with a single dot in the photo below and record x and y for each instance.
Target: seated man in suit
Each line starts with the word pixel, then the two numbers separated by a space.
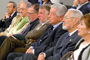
pixel 7 19
pixel 65 43
pixel 14 21
pixel 82 5
pixel 68 40
pixel 48 38
pixel 39 29
pixel 21 24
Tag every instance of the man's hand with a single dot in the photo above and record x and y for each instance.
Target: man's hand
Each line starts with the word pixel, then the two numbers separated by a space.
pixel 30 50
pixel 0 34
pixel 41 57
pixel 75 3
pixel 10 35
pixel 6 16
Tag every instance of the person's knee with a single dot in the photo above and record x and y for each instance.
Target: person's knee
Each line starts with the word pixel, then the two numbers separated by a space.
pixel 10 56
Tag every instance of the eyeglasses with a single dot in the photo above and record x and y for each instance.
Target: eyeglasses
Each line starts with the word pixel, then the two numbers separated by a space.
pixel 30 13
pixel 65 17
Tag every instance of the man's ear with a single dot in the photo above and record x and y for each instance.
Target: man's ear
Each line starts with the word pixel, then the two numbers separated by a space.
pixel 76 20
pixel 61 18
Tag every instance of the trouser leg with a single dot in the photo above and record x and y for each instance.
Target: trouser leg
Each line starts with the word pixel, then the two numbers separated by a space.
pixel 27 56
pixel 8 45
pixel 13 55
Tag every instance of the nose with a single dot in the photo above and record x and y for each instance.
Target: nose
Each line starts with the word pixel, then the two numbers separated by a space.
pixel 63 20
pixel 78 26
pixel 48 15
pixel 38 14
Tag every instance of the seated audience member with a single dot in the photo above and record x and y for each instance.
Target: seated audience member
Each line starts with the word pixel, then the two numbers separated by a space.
pixel 21 24
pixel 17 45
pixel 49 38
pixel 7 19
pixel 82 5
pixel 83 47
pixel 14 21
pixel 40 28
pixel 65 43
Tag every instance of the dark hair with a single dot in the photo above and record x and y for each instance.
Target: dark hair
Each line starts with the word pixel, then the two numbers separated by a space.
pixel 36 7
pixel 14 4
pixel 86 19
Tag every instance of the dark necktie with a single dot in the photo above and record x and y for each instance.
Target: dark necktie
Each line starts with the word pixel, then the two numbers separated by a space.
pixel 9 17
pixel 67 36
pixel 25 29
pixel 48 32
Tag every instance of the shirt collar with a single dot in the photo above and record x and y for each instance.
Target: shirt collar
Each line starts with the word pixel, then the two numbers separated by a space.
pixel 13 13
pixel 73 32
pixel 54 26
pixel 45 22
pixel 32 21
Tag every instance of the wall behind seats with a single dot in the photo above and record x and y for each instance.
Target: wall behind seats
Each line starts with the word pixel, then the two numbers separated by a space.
pixel 3 6
pixel 68 3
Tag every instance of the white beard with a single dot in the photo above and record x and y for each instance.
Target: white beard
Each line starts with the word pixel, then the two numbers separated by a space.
pixel 66 28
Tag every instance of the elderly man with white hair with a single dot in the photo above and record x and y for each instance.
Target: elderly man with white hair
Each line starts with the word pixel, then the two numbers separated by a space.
pixel 68 40
pixel 48 39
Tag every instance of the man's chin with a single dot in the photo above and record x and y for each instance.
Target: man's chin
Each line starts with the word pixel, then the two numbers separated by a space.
pixel 64 28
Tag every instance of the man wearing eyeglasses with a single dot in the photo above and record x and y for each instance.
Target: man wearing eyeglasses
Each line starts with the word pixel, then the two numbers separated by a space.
pixel 50 36
pixel 14 40
pixel 68 40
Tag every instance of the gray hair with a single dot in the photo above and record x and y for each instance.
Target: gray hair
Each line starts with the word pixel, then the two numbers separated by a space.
pixel 76 13
pixel 14 4
pixel 28 3
pixel 61 9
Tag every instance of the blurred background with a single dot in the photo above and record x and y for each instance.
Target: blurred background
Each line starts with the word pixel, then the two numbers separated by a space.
pixel 3 4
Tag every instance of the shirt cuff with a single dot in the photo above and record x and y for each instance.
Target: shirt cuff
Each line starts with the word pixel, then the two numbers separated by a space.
pixel 74 6
pixel 43 53
pixel 33 51
pixel 32 47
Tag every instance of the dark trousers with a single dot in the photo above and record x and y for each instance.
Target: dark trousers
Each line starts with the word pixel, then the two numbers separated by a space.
pixel 13 55
pixel 2 38
pixel 21 56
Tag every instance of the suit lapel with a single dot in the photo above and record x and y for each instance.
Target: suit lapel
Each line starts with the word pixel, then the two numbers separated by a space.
pixel 83 6
pixel 68 40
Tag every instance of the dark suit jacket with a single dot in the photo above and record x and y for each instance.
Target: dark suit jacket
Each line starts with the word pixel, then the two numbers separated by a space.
pixel 62 47
pixel 50 40
pixel 85 8
pixel 31 27
pixel 5 24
